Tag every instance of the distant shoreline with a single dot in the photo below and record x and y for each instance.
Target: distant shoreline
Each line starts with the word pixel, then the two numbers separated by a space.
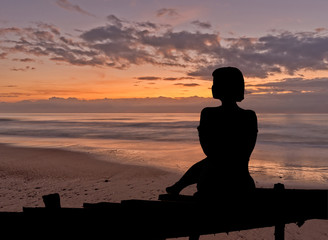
pixel 260 103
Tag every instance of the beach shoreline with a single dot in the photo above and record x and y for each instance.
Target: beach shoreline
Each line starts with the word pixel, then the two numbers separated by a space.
pixel 26 174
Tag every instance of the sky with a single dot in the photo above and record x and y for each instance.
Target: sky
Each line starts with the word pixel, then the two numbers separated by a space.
pixel 82 51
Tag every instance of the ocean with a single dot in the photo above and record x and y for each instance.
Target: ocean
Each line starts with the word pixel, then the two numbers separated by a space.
pixel 291 148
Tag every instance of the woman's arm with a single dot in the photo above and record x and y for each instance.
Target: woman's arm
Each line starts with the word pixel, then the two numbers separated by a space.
pixel 250 143
pixel 202 132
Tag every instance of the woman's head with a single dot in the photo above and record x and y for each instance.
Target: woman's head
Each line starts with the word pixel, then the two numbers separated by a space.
pixel 228 84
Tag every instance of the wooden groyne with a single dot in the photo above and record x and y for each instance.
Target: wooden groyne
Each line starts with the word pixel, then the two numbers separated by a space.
pixel 169 217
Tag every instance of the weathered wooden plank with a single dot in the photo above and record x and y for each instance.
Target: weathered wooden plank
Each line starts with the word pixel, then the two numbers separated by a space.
pixel 171 216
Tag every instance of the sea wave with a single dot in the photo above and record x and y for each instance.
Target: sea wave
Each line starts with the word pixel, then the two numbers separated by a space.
pixel 112 128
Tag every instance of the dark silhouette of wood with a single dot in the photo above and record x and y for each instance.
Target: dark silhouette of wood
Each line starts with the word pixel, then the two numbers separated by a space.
pixel 51 200
pixel 171 216
pixel 279 230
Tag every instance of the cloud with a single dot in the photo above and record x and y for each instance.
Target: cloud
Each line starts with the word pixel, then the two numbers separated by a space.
pixel 3 55
pixel 287 103
pixel 303 103
pixel 171 12
pixel 200 24
pixel 171 79
pixel 122 43
pixel 321 29
pixel 65 4
pixel 187 84
pixel 149 78
pixel 293 85
pixel 114 20
pixel 24 60
pixel 11 95
pixel 203 52
pixel 153 78
pixel 71 105
pixel 175 78
pixel 118 44
pixel 50 27
pixel 259 57
pixel 130 43
pixel 294 51
pixel 165 79
pixel 4 31
pixel 27 68
pixel 46 40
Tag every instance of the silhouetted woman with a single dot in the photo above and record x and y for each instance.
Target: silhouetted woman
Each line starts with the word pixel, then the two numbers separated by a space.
pixel 227 135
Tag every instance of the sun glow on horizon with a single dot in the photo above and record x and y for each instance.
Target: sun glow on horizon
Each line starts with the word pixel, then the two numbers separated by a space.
pixel 148 52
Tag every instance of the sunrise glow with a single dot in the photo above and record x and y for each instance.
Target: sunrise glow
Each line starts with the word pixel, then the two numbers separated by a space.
pixel 83 51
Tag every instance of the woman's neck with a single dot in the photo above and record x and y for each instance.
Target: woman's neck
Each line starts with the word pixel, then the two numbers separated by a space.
pixel 229 105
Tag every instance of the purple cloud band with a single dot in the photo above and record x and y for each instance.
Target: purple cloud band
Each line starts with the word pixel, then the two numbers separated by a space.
pixel 121 43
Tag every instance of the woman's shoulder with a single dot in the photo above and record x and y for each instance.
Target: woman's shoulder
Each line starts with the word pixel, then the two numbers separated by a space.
pixel 250 118
pixel 248 115
pixel 249 112
pixel 210 111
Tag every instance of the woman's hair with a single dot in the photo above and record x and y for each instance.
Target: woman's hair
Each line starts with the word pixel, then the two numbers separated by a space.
pixel 228 82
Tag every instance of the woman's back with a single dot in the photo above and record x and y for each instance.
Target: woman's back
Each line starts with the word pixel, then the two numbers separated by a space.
pixel 227 136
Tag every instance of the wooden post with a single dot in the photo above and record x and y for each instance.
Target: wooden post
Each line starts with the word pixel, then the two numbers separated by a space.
pixel 279 230
pixel 51 201
pixel 194 237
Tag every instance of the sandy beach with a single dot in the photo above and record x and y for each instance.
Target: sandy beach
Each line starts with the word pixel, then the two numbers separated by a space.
pixel 29 173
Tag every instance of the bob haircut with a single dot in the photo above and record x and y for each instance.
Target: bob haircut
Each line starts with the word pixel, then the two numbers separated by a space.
pixel 228 82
